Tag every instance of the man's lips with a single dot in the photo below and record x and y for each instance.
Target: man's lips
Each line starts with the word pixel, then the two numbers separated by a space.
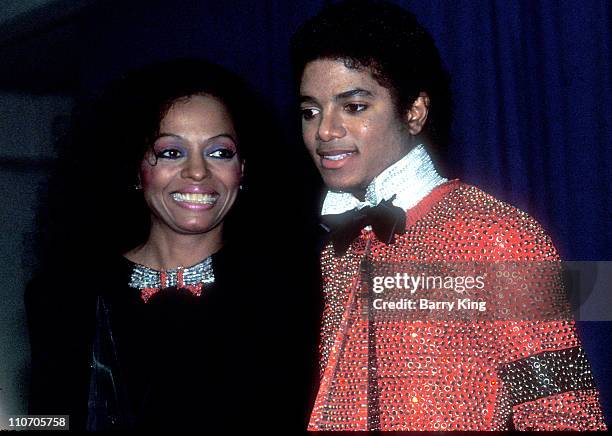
pixel 334 159
pixel 337 156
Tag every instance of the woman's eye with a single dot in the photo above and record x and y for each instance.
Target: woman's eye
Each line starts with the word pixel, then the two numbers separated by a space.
pixel 169 153
pixel 355 107
pixel 222 153
pixel 309 113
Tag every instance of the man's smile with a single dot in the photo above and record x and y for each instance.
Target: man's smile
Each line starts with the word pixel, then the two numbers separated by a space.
pixel 335 159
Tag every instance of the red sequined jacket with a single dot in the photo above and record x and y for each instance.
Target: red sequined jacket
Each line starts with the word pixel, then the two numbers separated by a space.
pixel 401 373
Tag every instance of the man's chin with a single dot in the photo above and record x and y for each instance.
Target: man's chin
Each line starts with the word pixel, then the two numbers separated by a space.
pixel 341 185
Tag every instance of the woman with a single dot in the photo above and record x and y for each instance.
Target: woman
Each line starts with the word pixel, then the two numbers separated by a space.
pixel 152 332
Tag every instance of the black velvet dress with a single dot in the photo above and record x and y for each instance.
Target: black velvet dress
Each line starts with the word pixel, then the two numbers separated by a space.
pixel 217 361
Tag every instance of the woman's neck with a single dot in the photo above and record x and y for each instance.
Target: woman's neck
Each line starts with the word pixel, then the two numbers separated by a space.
pixel 166 249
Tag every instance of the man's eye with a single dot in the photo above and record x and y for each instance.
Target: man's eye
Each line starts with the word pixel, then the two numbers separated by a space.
pixel 355 107
pixel 309 113
pixel 169 153
pixel 222 153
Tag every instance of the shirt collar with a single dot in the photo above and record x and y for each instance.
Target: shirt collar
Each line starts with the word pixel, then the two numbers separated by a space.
pixel 411 178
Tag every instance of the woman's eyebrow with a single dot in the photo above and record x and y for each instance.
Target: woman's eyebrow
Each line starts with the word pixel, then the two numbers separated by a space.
pixel 172 135
pixel 222 135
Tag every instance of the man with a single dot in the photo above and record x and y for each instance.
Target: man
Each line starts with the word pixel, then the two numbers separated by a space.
pixel 374 102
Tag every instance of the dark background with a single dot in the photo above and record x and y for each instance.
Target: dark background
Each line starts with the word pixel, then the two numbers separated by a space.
pixel 531 84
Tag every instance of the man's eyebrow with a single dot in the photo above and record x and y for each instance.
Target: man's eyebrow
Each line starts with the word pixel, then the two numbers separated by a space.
pixel 307 99
pixel 357 92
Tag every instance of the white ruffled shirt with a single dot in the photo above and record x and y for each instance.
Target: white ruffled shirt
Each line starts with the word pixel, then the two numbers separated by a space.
pixel 411 178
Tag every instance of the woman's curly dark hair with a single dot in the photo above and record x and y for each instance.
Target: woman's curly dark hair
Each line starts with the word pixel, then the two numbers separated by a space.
pixel 91 204
pixel 388 41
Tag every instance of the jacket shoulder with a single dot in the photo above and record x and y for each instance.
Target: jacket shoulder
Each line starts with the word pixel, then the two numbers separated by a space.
pixel 486 227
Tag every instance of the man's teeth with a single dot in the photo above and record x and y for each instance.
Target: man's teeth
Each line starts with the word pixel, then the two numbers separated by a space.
pixel 195 198
pixel 337 156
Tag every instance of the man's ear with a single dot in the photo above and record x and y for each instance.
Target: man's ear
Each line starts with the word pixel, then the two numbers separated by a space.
pixel 417 114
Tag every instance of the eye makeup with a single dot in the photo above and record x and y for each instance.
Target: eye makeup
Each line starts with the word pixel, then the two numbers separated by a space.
pixel 169 151
pixel 221 153
pixel 222 147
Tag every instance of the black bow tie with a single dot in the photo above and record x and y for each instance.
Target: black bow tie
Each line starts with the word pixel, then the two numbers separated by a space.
pixel 386 220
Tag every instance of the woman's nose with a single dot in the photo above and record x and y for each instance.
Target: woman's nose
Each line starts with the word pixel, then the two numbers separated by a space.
pixel 195 168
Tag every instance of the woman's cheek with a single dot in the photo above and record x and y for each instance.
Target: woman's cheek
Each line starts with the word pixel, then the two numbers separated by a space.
pixel 237 175
pixel 151 175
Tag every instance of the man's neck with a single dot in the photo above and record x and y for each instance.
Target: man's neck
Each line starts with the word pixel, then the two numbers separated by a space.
pixel 409 179
pixel 359 193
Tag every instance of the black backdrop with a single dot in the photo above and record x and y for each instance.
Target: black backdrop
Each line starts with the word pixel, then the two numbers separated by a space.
pixel 531 83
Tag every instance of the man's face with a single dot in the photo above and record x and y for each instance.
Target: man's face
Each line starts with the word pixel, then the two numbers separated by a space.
pixel 350 125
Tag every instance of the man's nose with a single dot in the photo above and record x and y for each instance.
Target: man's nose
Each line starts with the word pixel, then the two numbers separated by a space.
pixel 330 127
pixel 195 167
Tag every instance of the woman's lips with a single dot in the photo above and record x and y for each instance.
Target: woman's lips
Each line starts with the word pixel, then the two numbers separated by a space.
pixel 192 200
pixel 335 159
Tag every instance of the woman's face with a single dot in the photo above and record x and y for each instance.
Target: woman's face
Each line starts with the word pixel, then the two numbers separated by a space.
pixel 191 176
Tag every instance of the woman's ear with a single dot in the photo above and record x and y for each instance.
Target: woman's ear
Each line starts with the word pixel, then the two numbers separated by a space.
pixel 242 174
pixel 416 116
pixel 138 184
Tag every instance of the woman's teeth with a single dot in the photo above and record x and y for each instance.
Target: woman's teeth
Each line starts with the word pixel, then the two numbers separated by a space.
pixel 195 198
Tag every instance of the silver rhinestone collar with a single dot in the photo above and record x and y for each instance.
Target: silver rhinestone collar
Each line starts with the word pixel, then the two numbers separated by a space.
pixel 410 179
pixel 194 278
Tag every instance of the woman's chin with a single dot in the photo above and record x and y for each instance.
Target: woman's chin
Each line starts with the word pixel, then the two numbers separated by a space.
pixel 197 228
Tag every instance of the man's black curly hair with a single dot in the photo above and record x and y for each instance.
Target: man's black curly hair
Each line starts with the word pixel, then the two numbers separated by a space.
pixel 388 41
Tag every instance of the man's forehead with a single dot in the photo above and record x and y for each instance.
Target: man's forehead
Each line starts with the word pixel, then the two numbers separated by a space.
pixel 333 77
